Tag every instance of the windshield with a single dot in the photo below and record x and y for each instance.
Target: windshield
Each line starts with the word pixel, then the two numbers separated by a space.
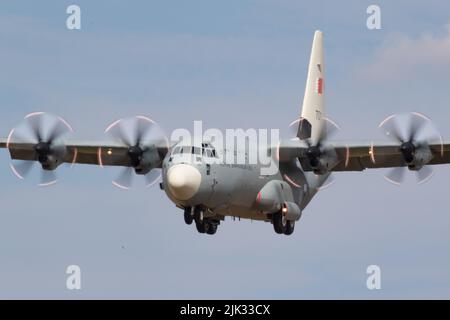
pixel 206 151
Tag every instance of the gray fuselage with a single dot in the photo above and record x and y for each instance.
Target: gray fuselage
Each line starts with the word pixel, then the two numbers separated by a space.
pixel 230 189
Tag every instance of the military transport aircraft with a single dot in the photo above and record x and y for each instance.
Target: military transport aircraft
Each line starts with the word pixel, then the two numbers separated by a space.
pixel 208 190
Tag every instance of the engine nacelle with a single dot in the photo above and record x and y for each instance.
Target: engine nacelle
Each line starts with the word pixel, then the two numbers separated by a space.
pixel 49 162
pixel 325 164
pixel 320 159
pixel 149 160
pixel 421 156
pixel 49 156
pixel 291 211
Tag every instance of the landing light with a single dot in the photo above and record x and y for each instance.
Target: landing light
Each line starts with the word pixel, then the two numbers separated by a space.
pixel 109 152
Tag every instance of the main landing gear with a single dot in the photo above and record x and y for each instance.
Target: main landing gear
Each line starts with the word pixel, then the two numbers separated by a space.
pixel 203 225
pixel 281 225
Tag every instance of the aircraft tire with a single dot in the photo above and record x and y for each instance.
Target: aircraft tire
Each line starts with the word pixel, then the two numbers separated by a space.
pixel 201 226
pixel 198 214
pixel 188 216
pixel 278 224
pixel 212 228
pixel 290 224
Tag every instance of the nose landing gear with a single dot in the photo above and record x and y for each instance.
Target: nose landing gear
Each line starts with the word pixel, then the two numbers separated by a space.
pixel 202 224
pixel 188 215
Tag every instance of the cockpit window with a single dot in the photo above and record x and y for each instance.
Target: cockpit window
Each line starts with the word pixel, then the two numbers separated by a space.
pixel 206 151
pixel 210 153
pixel 186 150
pixel 176 150
pixel 197 151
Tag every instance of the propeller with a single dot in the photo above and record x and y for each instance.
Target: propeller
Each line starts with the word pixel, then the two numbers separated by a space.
pixel 44 132
pixel 147 146
pixel 317 150
pixel 409 134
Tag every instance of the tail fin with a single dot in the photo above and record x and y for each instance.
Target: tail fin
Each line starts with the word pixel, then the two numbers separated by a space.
pixel 312 124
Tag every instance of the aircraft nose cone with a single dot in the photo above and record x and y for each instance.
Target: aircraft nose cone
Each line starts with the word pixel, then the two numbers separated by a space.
pixel 183 181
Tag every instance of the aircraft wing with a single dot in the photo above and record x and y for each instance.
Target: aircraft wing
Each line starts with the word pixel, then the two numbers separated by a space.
pixel 103 153
pixel 371 155
pixel 351 155
pixel 358 156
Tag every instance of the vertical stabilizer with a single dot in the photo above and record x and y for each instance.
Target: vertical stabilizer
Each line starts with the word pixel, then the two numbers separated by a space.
pixel 312 122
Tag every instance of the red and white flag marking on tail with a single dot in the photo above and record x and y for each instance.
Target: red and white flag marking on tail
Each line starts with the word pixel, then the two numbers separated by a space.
pixel 319 86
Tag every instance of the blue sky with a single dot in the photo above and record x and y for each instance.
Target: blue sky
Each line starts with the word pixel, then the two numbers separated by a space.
pixel 232 64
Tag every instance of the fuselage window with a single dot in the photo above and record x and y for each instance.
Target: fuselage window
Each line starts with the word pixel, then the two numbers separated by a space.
pixel 186 150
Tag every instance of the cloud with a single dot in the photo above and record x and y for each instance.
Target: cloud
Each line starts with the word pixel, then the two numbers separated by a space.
pixel 403 56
